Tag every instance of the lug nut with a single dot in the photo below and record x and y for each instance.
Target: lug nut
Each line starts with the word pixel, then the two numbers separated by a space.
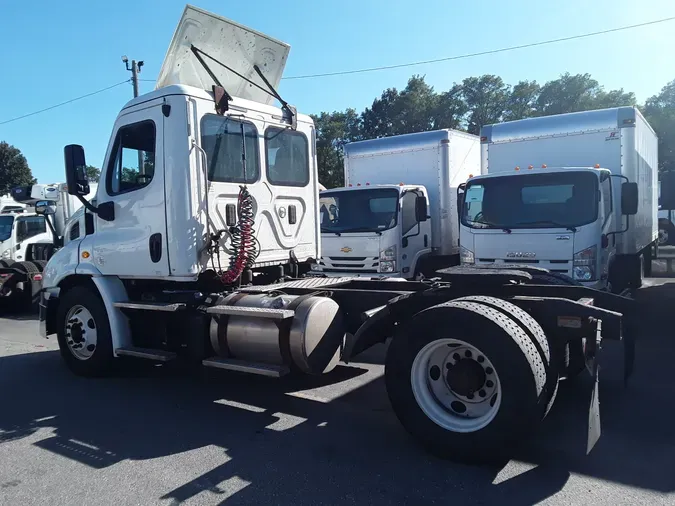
pixel 488 370
pixel 489 384
pixel 481 359
pixel 456 356
pixel 469 396
pixel 467 353
pixel 482 393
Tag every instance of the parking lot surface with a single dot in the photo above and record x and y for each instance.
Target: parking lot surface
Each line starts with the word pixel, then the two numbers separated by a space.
pixel 159 435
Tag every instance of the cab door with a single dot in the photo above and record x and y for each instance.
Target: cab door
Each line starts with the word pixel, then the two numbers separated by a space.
pixel 134 243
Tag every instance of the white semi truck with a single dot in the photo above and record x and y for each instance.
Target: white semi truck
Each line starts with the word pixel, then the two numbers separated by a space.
pixel 197 253
pixel 29 236
pixel 397 215
pixel 573 193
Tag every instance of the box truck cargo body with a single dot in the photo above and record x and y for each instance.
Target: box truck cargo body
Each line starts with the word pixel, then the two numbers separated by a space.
pixel 559 192
pixel 424 167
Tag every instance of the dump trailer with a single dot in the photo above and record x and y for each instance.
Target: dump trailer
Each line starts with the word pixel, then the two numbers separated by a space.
pixel 396 215
pixel 198 253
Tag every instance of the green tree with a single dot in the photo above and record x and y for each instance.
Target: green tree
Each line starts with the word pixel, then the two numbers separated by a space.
pixel 93 173
pixel 333 131
pixel 412 110
pixel 659 111
pixel 572 93
pixel 451 109
pixel 522 101
pixel 14 169
pixel 486 98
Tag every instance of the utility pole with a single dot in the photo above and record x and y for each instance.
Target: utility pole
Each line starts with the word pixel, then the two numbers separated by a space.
pixel 135 70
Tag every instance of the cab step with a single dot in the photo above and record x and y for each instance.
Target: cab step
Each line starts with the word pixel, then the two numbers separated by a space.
pixel 151 306
pixel 230 364
pixel 147 353
pixel 254 312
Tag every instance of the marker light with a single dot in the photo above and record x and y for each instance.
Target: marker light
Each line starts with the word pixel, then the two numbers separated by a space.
pixel 597 165
pixel 530 167
pixel 517 168
pixel 543 165
pixel 358 184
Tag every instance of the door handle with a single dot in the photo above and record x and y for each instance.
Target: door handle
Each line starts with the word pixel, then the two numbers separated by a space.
pixel 155 246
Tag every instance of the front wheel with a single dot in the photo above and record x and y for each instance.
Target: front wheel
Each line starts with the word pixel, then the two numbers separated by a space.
pixel 84 333
pixel 466 381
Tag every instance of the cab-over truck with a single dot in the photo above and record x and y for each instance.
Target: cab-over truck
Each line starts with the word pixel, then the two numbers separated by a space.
pixel 206 218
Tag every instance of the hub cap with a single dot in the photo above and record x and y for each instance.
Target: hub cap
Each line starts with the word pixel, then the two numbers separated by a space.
pixel 456 385
pixel 81 332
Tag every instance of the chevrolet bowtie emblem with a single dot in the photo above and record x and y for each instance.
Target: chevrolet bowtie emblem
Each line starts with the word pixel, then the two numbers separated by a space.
pixel 345 249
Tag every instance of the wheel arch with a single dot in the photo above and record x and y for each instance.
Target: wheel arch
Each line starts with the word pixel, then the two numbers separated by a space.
pixel 110 289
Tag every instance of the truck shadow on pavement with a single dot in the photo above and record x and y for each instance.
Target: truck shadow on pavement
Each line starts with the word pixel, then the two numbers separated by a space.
pixel 262 446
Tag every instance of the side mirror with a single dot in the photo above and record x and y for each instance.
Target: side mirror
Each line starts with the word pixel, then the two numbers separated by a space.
pixel 420 209
pixel 629 198
pixel 45 207
pixel 76 173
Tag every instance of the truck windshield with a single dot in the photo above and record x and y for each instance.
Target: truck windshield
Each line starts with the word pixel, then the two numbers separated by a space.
pixel 358 210
pixel 6 227
pixel 553 200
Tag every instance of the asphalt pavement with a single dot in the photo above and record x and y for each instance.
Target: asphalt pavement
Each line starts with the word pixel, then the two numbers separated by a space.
pixel 158 435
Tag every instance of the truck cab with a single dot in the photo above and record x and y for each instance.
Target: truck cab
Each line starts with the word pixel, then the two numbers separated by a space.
pixel 169 198
pixel 378 230
pixel 555 218
pixel 18 231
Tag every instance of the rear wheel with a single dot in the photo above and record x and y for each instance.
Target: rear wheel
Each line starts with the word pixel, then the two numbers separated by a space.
pixel 24 295
pixel 84 332
pixel 536 334
pixel 466 381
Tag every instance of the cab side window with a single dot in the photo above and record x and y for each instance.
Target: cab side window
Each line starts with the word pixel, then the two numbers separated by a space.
pixel 30 226
pixel 408 220
pixel 132 161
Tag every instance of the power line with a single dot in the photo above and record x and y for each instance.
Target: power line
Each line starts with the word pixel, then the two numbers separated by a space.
pixel 481 53
pixel 63 103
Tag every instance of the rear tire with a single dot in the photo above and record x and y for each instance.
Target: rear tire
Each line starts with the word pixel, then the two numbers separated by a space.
pixel 536 334
pixel 83 320
pixel 24 297
pixel 519 384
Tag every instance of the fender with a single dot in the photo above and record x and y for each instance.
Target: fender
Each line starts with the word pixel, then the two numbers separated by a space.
pixel 378 326
pixel 112 290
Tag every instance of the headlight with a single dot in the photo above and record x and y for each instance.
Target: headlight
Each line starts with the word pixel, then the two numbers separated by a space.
pixel 466 256
pixel 6 253
pixel 388 266
pixel 389 253
pixel 584 264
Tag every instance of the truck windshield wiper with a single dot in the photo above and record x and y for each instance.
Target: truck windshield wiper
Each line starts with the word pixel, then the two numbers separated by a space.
pixel 360 229
pixel 548 222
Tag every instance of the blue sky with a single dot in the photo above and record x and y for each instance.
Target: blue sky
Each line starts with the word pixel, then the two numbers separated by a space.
pixel 55 51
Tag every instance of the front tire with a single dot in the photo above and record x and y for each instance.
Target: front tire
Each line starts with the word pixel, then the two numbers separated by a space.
pixel 478 414
pixel 84 333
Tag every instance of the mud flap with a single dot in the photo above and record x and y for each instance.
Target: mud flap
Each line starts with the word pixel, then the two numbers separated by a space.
pixel 592 348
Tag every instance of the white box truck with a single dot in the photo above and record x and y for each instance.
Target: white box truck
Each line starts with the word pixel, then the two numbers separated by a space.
pixel 30 235
pixel 573 193
pixel 397 215
pixel 469 370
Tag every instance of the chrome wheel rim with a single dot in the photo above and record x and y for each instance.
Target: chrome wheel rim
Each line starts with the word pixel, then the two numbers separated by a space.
pixel 81 333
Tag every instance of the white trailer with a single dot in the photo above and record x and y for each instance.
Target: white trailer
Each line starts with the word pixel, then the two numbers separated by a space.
pixel 573 193
pixel 393 185
pixel 170 270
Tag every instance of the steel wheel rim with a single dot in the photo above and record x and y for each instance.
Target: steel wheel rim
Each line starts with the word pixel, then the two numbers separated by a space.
pixel 81 333
pixel 663 236
pixel 451 409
